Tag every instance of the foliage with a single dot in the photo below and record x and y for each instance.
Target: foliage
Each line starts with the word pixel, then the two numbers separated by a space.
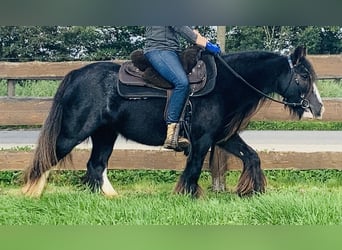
pixel 317 39
pixel 65 43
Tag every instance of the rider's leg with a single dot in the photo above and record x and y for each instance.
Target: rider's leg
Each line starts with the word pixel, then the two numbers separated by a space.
pixel 168 65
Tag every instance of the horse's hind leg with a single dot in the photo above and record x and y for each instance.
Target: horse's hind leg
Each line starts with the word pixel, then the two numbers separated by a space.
pixel 252 179
pixel 218 168
pixel 96 177
pixel 35 177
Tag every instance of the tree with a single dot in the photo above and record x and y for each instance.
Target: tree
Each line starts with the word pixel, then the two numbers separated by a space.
pixel 331 40
pixel 18 42
pixel 64 43
pixel 241 38
pixel 318 40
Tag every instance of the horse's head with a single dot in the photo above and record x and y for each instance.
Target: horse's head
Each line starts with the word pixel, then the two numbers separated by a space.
pixel 301 91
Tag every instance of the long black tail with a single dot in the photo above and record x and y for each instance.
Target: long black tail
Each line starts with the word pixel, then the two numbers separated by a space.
pixel 45 156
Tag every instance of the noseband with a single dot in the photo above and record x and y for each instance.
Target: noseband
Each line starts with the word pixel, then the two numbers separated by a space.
pixel 304 103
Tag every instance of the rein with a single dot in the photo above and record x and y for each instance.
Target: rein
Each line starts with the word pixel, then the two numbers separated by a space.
pixel 304 103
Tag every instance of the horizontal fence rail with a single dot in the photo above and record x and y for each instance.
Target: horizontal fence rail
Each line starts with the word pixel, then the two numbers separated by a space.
pixel 33 111
pixel 169 160
pixel 13 72
pixel 326 67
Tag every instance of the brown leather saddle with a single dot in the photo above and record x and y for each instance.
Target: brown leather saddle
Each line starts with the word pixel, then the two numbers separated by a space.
pixel 144 81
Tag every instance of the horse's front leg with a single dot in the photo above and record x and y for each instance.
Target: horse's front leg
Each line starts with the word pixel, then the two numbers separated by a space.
pixel 188 181
pixel 252 178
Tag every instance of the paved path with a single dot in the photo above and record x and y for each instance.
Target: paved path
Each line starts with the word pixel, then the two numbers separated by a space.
pixel 301 141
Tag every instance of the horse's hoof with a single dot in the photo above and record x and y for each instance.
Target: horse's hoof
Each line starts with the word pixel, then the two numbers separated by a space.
pixel 32 190
pixel 109 193
pixel 194 190
pixel 35 188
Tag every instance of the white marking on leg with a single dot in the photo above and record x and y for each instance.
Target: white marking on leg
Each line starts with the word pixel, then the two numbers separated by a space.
pixel 35 189
pixel 107 187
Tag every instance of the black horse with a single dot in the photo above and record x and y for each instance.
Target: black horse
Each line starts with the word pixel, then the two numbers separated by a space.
pixel 87 104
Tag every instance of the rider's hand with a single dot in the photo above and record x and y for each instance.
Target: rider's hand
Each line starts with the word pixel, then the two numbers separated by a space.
pixel 200 40
pixel 213 48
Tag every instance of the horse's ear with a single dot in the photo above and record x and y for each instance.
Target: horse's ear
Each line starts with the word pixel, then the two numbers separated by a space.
pixel 299 52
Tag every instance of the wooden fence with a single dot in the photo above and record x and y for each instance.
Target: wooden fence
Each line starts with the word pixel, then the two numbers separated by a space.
pixel 33 111
pixel 326 66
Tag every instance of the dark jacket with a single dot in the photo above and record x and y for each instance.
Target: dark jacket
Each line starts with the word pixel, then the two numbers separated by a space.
pixel 167 37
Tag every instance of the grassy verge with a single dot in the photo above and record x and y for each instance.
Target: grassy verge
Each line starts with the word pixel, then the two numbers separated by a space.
pixel 292 198
pixel 294 125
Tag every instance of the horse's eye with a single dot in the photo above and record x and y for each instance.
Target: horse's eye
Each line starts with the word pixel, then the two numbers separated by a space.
pixel 304 76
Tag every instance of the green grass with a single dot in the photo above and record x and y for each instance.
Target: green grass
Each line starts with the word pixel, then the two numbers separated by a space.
pixel 31 88
pixel 292 198
pixel 294 125
pixel 3 88
pixel 330 88
pixel 305 206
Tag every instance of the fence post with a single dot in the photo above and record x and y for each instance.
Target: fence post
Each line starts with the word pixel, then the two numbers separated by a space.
pixel 11 87
pixel 221 37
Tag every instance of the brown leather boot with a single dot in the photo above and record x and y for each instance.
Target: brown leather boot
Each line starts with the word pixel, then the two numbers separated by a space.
pixel 173 141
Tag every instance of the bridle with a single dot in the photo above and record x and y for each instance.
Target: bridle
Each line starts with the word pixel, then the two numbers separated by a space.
pixel 304 103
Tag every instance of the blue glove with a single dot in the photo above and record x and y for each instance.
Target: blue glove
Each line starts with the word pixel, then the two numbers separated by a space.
pixel 213 48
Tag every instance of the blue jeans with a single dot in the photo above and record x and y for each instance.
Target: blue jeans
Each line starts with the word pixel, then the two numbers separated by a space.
pixel 168 65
